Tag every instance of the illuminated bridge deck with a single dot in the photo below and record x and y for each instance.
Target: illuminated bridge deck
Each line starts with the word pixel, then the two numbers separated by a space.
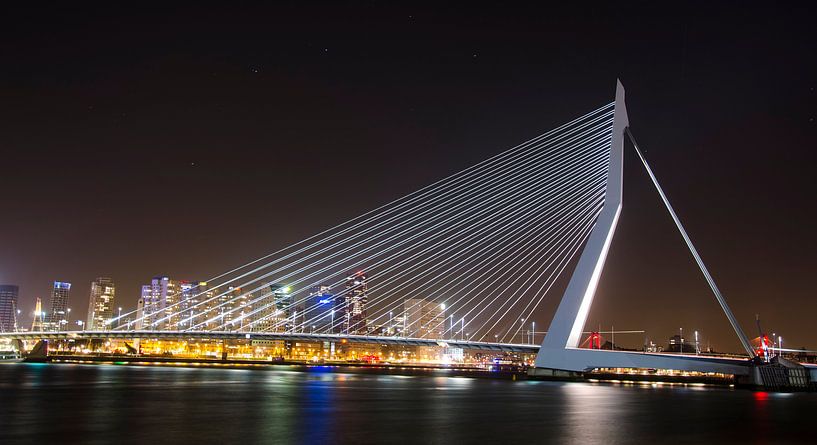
pixel 303 337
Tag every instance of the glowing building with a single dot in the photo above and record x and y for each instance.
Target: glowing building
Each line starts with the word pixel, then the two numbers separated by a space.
pixel 8 307
pixel 320 307
pixel 158 304
pixel 352 307
pixel 100 304
pixel 423 318
pixel 57 317
pixel 274 313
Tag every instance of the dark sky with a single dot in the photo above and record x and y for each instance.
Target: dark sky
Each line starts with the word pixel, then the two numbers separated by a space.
pixel 185 141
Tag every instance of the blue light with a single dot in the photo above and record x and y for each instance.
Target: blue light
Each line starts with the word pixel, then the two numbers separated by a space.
pixel 324 301
pixel 62 285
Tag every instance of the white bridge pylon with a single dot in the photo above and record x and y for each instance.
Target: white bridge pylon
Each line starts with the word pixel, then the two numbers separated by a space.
pixel 560 349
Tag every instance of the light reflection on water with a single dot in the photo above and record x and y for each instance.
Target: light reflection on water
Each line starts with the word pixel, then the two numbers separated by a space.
pixel 149 405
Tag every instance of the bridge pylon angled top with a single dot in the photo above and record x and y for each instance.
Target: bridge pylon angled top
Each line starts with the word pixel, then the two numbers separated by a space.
pixel 560 347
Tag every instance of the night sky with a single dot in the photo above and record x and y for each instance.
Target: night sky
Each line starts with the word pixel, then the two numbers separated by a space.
pixel 186 141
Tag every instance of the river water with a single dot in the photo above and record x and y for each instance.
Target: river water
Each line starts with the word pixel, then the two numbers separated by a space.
pixel 104 404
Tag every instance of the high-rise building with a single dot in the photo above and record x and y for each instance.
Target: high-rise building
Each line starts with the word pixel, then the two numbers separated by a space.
pixel 423 318
pixel 57 316
pixel 354 303
pixel 320 305
pixel 273 313
pixel 160 310
pixel 193 305
pixel 242 309
pixel 228 310
pixel 100 304
pixel 8 307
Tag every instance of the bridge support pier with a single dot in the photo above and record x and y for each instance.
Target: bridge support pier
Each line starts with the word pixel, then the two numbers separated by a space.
pixel 555 374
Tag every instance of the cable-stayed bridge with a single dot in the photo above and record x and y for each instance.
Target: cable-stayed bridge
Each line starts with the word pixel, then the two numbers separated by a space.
pixel 463 262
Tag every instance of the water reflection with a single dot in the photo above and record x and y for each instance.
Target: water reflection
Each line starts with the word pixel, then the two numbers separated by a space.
pixel 91 404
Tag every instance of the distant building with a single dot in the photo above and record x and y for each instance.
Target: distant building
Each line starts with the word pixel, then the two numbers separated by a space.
pixel 355 299
pixel 319 308
pixel 213 309
pixel 274 311
pixel 8 307
pixel 194 306
pixel 240 305
pixel 57 317
pixel 159 308
pixel 679 344
pixel 100 304
pixel 423 318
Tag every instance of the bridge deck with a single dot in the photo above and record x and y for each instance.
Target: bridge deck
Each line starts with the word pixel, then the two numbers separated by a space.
pixel 304 337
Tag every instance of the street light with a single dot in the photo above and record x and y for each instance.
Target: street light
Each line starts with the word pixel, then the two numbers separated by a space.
pixel 533 332
pixel 119 318
pixel 681 339
pixel 697 349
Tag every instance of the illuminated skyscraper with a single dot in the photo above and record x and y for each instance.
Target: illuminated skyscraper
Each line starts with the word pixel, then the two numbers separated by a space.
pixel 319 308
pixel 57 316
pixel 100 304
pixel 8 307
pixel 159 308
pixel 354 303
pixel 229 310
pixel 274 309
pixel 424 318
pixel 194 306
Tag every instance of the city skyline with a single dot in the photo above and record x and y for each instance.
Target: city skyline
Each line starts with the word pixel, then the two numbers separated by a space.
pixel 393 115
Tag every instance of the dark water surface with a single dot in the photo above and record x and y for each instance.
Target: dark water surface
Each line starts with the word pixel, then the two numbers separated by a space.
pixel 96 404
